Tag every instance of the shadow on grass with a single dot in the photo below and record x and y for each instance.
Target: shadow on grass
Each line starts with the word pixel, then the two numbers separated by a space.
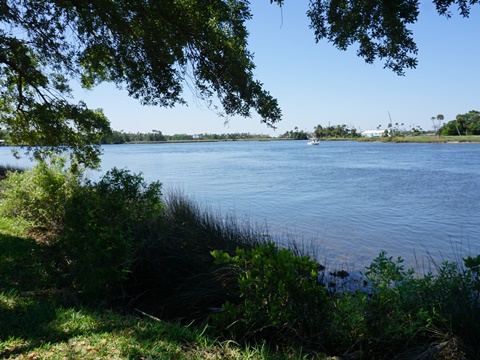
pixel 27 299
pixel 22 264
pixel 33 323
pixel 34 312
pixel 27 321
pixel 30 325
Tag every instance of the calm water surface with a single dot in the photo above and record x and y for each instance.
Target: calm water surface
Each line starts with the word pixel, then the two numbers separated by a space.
pixel 351 199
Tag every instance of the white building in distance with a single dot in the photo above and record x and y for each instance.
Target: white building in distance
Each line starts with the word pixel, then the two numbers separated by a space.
pixel 373 133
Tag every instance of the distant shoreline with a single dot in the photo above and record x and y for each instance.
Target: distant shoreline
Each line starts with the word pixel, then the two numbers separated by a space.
pixel 203 141
pixel 466 139
pixel 399 139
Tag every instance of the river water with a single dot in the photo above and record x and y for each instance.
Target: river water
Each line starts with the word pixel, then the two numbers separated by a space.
pixel 350 199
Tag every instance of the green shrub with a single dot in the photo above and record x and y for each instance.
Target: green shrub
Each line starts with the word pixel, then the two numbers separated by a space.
pixel 396 316
pixel 106 224
pixel 404 312
pixel 348 329
pixel 280 295
pixel 395 312
pixel 454 296
pixel 383 314
pixel 473 270
pixel 95 230
pixel 5 169
pixel 38 196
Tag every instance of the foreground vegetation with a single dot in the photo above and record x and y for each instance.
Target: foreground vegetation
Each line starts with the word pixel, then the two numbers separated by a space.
pixel 116 269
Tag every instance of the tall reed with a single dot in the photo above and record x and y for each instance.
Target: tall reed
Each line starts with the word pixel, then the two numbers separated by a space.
pixel 176 275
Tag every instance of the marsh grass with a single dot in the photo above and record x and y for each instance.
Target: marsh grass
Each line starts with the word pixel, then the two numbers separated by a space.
pixel 177 269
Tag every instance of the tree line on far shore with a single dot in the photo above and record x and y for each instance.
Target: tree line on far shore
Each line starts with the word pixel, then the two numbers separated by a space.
pixel 121 137
pixel 333 131
pixel 463 124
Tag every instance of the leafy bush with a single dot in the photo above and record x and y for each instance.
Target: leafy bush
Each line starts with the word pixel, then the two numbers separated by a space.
pixel 473 270
pixel 280 295
pixel 395 314
pixel 454 295
pixel 38 196
pixel 401 312
pixel 5 169
pixel 348 330
pixel 94 230
pixel 105 226
pixel 396 311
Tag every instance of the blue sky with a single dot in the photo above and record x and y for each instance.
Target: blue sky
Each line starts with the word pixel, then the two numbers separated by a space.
pixel 318 84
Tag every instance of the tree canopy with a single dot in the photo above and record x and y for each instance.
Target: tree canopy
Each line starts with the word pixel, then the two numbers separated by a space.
pixel 378 27
pixel 157 48
pixel 464 124
pixel 335 131
pixel 151 48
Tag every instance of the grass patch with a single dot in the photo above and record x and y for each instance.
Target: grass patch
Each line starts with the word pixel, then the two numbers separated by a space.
pixel 22 265
pixel 66 333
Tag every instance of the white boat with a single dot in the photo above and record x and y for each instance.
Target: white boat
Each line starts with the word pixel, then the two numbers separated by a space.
pixel 313 142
